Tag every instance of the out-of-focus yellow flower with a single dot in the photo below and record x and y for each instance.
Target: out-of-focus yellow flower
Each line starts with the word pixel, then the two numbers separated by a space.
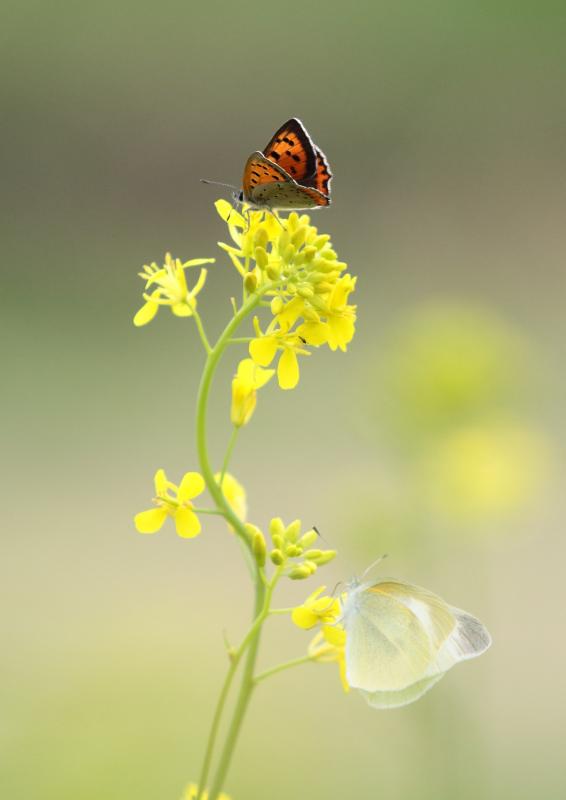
pixel 249 378
pixel 235 494
pixel 480 472
pixel 328 646
pixel 191 793
pixel 173 501
pixel 171 288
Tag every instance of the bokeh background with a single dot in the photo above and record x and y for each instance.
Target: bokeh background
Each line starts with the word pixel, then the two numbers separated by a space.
pixel 438 438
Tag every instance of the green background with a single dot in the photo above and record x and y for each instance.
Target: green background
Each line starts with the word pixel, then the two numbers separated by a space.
pixel 444 126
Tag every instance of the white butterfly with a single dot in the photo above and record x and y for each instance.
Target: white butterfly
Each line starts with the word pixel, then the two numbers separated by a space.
pixel 401 640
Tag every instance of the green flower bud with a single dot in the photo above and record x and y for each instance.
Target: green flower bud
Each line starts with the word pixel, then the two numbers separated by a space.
pixel 293 550
pixel 309 252
pixel 299 237
pixel 311 566
pixel 259 548
pixel 300 573
pixel 292 531
pixel 289 253
pixel 250 282
pixel 305 291
pixel 272 271
pixel 321 240
pixel 320 557
pixel 308 538
pixel 277 557
pixel 261 257
pixel 276 526
pixel 278 541
pixel 261 237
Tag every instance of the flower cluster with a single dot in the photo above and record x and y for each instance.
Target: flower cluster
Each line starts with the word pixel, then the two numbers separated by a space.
pixel 293 552
pixel 308 287
pixel 329 644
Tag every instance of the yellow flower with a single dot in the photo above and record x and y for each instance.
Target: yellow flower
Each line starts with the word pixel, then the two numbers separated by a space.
pixel 316 610
pixel 191 793
pixel 264 348
pixel 173 501
pixel 328 647
pixel 248 379
pixel 339 328
pixel 329 644
pixel 235 494
pixel 172 289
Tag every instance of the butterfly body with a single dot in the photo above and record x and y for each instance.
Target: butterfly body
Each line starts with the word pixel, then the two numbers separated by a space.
pixel 290 174
pixel 401 639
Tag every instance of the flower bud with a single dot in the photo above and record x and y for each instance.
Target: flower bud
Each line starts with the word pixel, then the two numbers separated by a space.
pixel 289 253
pixel 293 550
pixel 277 557
pixel 250 282
pixel 278 541
pixel 308 538
pixel 292 531
pixel 305 291
pixel 261 257
pixel 277 305
pixel 259 548
pixel 320 557
pixel 299 236
pixel 321 240
pixel 261 237
pixel 300 573
pixel 276 527
pixel 272 271
pixel 311 566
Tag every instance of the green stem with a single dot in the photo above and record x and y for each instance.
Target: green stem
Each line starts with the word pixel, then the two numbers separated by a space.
pixel 262 600
pixel 261 591
pixel 294 662
pixel 228 456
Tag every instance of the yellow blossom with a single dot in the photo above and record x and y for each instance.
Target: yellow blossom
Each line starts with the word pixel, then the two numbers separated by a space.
pixel 338 330
pixel 316 610
pixel 173 501
pixel 264 348
pixel 328 648
pixel 171 288
pixel 191 793
pixel 249 378
pixel 235 494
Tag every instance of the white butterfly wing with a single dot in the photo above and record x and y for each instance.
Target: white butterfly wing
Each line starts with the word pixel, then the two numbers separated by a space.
pixel 467 638
pixel 394 633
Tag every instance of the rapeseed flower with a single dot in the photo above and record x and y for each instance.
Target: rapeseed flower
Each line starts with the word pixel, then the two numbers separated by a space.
pixel 173 501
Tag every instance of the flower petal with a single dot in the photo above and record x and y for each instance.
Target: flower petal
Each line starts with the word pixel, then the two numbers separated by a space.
pixel 191 486
pixel 146 313
pixel 161 483
pixel 288 369
pixel 187 523
pixel 263 350
pixel 150 521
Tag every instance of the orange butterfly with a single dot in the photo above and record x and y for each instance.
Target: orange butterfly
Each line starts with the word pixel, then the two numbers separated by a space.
pixel 291 173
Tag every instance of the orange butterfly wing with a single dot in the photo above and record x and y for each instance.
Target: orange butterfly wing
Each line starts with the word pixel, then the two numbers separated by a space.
pixel 259 170
pixel 291 148
pixel 322 177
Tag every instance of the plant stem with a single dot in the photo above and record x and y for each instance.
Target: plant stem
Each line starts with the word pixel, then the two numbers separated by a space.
pixel 228 456
pixel 294 662
pixel 261 591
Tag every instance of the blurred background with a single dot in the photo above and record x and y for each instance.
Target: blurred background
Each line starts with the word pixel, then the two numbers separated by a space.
pixel 438 438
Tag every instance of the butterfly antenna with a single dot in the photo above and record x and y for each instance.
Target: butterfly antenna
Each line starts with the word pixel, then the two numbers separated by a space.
pixel 373 564
pixel 218 183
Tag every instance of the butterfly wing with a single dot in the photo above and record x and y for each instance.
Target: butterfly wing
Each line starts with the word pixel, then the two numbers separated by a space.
pixel 468 640
pixel 321 178
pixel 267 185
pixel 394 633
pixel 293 150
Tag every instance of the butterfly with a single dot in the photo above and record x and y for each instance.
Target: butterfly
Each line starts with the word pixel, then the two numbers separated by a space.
pixel 402 639
pixel 290 173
